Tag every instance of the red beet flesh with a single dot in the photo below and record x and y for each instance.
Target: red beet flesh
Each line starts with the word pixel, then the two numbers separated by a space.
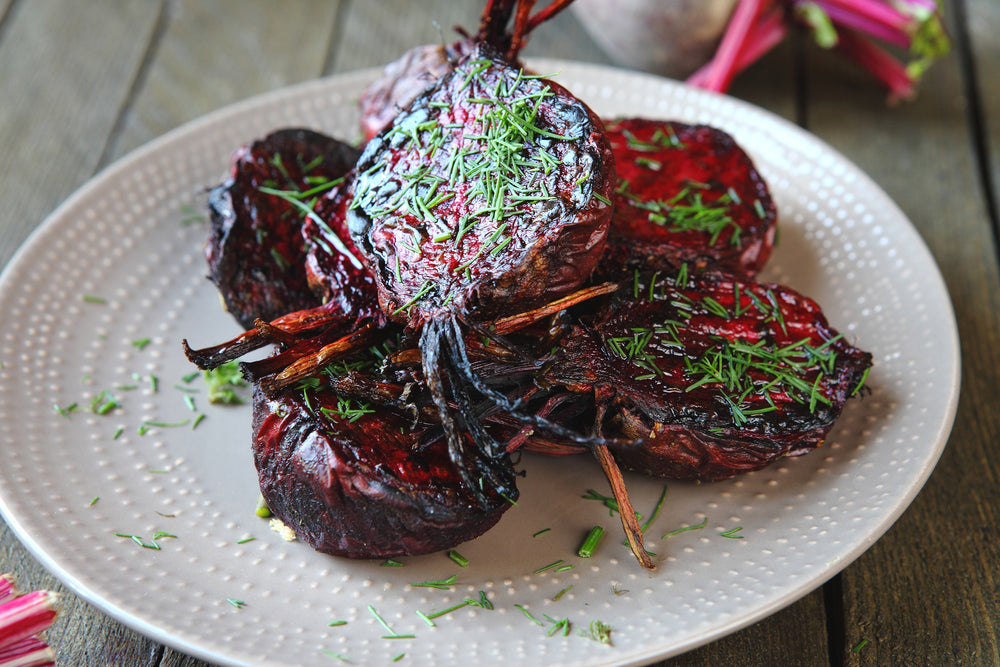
pixel 361 488
pixel 685 194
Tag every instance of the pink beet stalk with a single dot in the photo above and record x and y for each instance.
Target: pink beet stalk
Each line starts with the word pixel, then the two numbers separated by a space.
pixel 886 24
pixel 30 652
pixel 720 71
pixel 27 615
pixel 766 33
pixel 879 62
pixel 7 589
pixel 874 11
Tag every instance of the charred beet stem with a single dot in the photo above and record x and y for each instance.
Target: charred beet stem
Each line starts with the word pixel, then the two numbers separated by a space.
pixel 313 364
pixel 276 333
pixel 296 323
pixel 630 524
pixel 521 15
pixel 514 322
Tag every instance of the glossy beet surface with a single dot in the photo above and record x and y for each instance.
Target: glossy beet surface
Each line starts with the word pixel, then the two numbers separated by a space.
pixel 255 251
pixel 714 375
pixel 404 79
pixel 334 266
pixel 489 194
pixel 355 483
pixel 685 194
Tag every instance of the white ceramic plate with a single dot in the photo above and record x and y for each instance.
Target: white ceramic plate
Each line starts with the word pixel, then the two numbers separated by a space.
pixel 122 238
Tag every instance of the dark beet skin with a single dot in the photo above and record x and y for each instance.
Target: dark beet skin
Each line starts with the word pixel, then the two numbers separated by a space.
pixel 685 194
pixel 255 251
pixel 404 79
pixel 361 489
pixel 466 252
pixel 334 266
pixel 644 353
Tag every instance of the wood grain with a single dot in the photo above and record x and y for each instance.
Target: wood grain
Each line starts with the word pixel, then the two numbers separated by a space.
pixel 983 20
pixel 919 596
pixel 57 119
pixel 210 54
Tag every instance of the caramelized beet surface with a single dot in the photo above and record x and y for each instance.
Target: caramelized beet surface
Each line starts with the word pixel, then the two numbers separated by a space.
pixel 711 375
pixel 357 483
pixel 483 203
pixel 685 194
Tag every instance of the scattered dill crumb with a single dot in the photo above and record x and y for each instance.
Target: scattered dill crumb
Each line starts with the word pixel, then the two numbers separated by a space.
pixel 599 632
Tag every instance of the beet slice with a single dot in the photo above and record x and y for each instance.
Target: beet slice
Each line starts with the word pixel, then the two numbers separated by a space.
pixel 711 375
pixel 685 194
pixel 255 251
pixel 356 483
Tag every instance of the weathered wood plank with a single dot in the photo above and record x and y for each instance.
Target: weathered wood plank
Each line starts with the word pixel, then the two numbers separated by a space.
pixel 215 53
pixel 984 25
pixel 4 6
pixel 375 33
pixel 55 120
pixel 918 597
pixel 793 637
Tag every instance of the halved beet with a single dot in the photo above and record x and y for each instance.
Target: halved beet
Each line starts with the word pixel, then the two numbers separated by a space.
pixel 685 194
pixel 255 251
pixel 491 193
pixel 358 483
pixel 712 375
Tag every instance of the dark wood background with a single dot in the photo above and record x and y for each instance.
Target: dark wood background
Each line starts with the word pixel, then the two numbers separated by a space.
pixel 83 83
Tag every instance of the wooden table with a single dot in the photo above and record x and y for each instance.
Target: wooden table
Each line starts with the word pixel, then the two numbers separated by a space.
pixel 83 83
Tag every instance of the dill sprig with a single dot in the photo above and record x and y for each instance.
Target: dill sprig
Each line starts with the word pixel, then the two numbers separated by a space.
pixel 347 410
pixel 688 211
pixel 598 631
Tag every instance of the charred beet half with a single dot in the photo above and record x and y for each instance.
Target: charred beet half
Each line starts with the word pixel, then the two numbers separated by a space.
pixel 356 483
pixel 255 251
pixel 710 375
pixel 685 194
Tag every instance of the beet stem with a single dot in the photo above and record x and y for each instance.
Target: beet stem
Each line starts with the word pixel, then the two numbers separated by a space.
pixel 506 325
pixel 633 532
pixel 313 364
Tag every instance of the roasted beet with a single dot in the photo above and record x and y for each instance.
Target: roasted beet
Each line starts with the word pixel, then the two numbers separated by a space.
pixel 712 375
pixel 355 483
pixel 255 252
pixel 488 195
pixel 685 194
